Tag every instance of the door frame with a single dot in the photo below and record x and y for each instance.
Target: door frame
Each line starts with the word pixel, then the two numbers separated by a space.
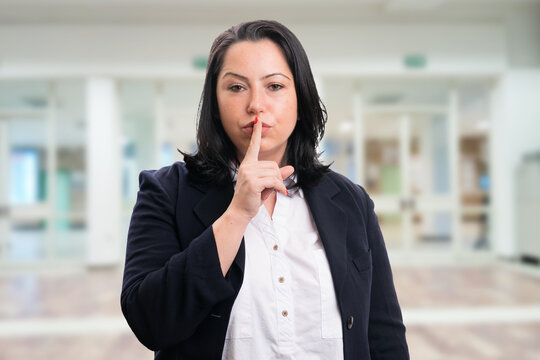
pixel 394 204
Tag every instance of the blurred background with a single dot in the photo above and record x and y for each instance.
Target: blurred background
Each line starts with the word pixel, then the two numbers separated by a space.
pixel 434 107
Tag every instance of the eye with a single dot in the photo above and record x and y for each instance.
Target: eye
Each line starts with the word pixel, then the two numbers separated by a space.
pixel 236 88
pixel 276 87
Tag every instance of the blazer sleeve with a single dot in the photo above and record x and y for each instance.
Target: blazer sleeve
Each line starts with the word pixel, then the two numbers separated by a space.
pixel 167 291
pixel 386 331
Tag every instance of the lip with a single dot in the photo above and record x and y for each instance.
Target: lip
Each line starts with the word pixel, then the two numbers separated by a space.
pixel 248 128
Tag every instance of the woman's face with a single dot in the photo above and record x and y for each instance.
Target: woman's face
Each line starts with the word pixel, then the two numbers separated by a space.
pixel 255 81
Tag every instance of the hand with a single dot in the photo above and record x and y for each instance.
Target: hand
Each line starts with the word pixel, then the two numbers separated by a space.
pixel 257 179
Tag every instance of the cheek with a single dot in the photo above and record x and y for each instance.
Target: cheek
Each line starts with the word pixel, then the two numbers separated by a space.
pixel 229 128
pixel 222 107
pixel 226 113
pixel 229 106
pixel 292 114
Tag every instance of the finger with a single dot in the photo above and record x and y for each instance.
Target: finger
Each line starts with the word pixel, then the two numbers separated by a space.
pixel 286 171
pixel 251 170
pixel 267 164
pixel 272 184
pixel 252 153
pixel 268 173
pixel 262 168
pixel 278 174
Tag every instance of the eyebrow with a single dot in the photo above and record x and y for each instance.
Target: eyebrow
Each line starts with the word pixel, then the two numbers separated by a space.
pixel 229 73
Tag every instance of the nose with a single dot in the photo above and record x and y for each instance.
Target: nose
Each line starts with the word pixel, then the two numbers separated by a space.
pixel 256 101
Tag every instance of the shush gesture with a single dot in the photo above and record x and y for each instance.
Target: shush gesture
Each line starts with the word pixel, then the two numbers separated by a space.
pixel 188 284
pixel 257 180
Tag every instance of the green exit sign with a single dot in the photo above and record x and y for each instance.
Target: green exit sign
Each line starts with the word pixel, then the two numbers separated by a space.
pixel 415 61
pixel 199 62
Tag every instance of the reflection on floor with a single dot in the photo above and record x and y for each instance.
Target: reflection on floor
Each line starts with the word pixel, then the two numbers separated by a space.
pixel 481 312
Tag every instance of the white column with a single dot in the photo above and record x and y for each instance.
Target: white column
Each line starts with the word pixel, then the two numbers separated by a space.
pixel 453 152
pixel 502 157
pixel 515 129
pixel 52 168
pixel 103 173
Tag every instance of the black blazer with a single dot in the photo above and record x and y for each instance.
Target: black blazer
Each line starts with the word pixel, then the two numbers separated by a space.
pixel 178 303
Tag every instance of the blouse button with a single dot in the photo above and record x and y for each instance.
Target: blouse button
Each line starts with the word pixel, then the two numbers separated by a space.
pixel 350 322
pixel 281 279
pixel 275 247
pixel 284 313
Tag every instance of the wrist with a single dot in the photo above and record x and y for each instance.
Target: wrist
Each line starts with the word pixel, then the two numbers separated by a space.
pixel 235 216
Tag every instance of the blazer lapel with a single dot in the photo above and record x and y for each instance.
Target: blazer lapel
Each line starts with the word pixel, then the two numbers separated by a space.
pixel 212 205
pixel 331 222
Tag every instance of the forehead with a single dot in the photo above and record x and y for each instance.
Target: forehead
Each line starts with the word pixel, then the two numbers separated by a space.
pixel 262 55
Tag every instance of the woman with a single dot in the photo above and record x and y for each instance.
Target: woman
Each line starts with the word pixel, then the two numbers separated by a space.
pixel 253 249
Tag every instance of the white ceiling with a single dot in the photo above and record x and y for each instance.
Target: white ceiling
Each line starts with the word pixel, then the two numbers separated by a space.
pixel 217 11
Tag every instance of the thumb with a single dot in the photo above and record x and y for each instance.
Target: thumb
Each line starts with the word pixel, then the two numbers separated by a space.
pixel 286 171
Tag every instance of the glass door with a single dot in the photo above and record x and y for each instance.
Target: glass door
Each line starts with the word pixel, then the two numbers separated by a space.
pixel 429 197
pixel 407 173
pixel 25 210
pixel 420 147
pixel 384 171
pixel 406 160
pixel 42 167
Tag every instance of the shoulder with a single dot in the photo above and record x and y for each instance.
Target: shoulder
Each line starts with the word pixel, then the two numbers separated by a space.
pixel 170 173
pixel 166 180
pixel 348 190
pixel 346 184
pixel 166 175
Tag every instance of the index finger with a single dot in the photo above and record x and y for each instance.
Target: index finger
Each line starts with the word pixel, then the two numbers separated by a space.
pixel 252 153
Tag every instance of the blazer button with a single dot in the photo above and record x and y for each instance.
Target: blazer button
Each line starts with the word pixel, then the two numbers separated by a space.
pixel 350 322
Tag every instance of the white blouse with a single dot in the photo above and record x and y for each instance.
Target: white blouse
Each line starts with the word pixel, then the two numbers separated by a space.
pixel 286 307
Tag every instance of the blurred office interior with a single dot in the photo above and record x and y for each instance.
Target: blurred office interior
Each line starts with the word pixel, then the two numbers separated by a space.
pixel 434 107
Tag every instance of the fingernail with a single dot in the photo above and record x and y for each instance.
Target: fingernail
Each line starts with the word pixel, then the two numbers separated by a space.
pixel 287 192
pixel 256 119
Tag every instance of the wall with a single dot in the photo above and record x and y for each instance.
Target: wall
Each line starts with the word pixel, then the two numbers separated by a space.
pixel 505 45
pixel 516 131
pixel 108 49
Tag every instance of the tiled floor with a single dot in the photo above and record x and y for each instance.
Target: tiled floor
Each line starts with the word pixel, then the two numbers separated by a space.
pixel 84 347
pixel 475 342
pixel 481 312
pixel 445 286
